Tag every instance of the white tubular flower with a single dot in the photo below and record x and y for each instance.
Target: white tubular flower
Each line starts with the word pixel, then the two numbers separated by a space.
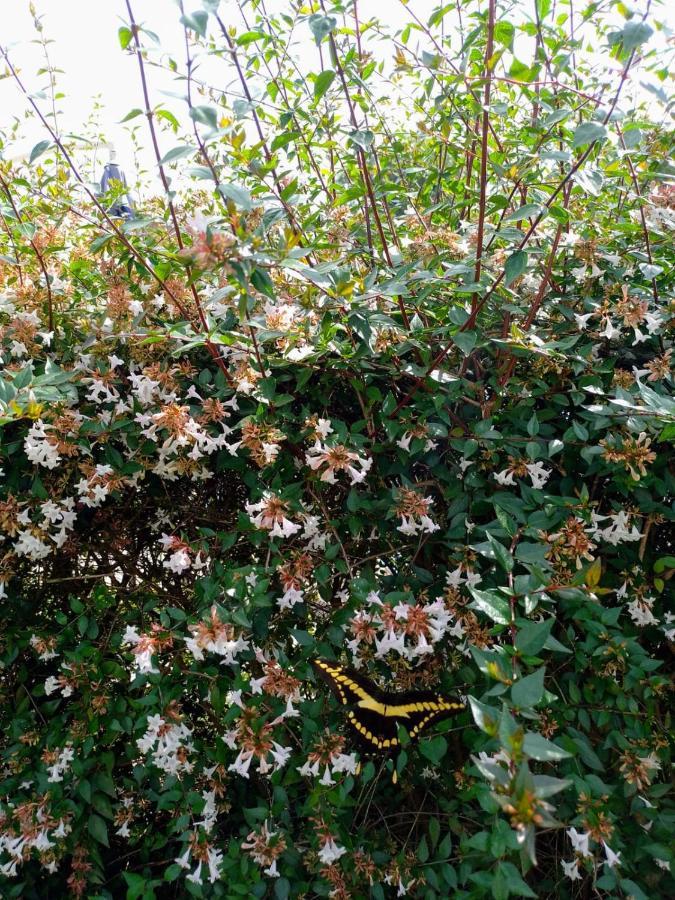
pixel 330 852
pixel 579 841
pixel 571 869
pixel 612 858
pixel 270 514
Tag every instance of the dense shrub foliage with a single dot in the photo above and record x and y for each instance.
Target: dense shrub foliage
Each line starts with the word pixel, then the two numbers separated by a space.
pixel 384 377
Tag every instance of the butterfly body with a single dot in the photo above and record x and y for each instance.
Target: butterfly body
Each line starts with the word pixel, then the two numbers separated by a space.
pixel 374 715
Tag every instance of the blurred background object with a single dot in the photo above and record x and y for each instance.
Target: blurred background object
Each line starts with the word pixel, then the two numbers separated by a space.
pixel 114 183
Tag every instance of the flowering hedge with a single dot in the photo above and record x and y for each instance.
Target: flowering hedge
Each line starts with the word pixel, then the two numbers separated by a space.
pixel 385 377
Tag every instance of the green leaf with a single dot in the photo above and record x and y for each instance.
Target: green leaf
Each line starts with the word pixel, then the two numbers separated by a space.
pixel 363 138
pixel 539 748
pixel 546 786
pixel 494 606
pixel 504 33
pixel 635 33
pixel 502 555
pixel 505 520
pixel 515 266
pixel 528 691
pixel 98 829
pixel 250 37
pixel 197 21
pixel 633 137
pixel 267 388
pixel 484 716
pixel 132 114
pixel 38 150
pixel 434 749
pixel 237 194
pixel 179 152
pixel 282 889
pixel 206 115
pixel 515 884
pixel 102 806
pixel 663 563
pixel 124 36
pixel 137 885
pixel 588 132
pixel 531 638
pixel 321 26
pixel 524 212
pixel 284 139
pixel 521 72
pixel 262 282
pixel 465 340
pixel 434 831
pixel 323 82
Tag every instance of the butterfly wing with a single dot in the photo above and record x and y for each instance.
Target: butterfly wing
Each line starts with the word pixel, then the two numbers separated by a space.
pixel 348 685
pixel 374 715
pixel 418 710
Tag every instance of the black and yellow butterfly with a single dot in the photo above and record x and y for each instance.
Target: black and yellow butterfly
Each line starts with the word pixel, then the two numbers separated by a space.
pixel 375 715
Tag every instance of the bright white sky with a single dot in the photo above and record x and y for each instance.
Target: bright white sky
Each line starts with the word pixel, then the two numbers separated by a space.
pixel 86 48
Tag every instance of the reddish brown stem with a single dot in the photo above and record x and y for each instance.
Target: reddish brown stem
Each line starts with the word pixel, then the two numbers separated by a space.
pixel 489 50
pixel 643 220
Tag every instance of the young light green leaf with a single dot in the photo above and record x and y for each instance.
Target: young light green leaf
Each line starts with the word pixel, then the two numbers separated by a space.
pixel 504 33
pixel 124 36
pixel 132 114
pixel 323 82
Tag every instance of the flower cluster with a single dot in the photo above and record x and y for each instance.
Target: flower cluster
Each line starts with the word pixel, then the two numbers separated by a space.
pixel 330 460
pixel 409 630
pixel 168 740
pixel 215 636
pixel 327 756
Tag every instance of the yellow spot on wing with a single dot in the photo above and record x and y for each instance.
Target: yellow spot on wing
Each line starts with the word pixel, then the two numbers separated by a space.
pixel 372 704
